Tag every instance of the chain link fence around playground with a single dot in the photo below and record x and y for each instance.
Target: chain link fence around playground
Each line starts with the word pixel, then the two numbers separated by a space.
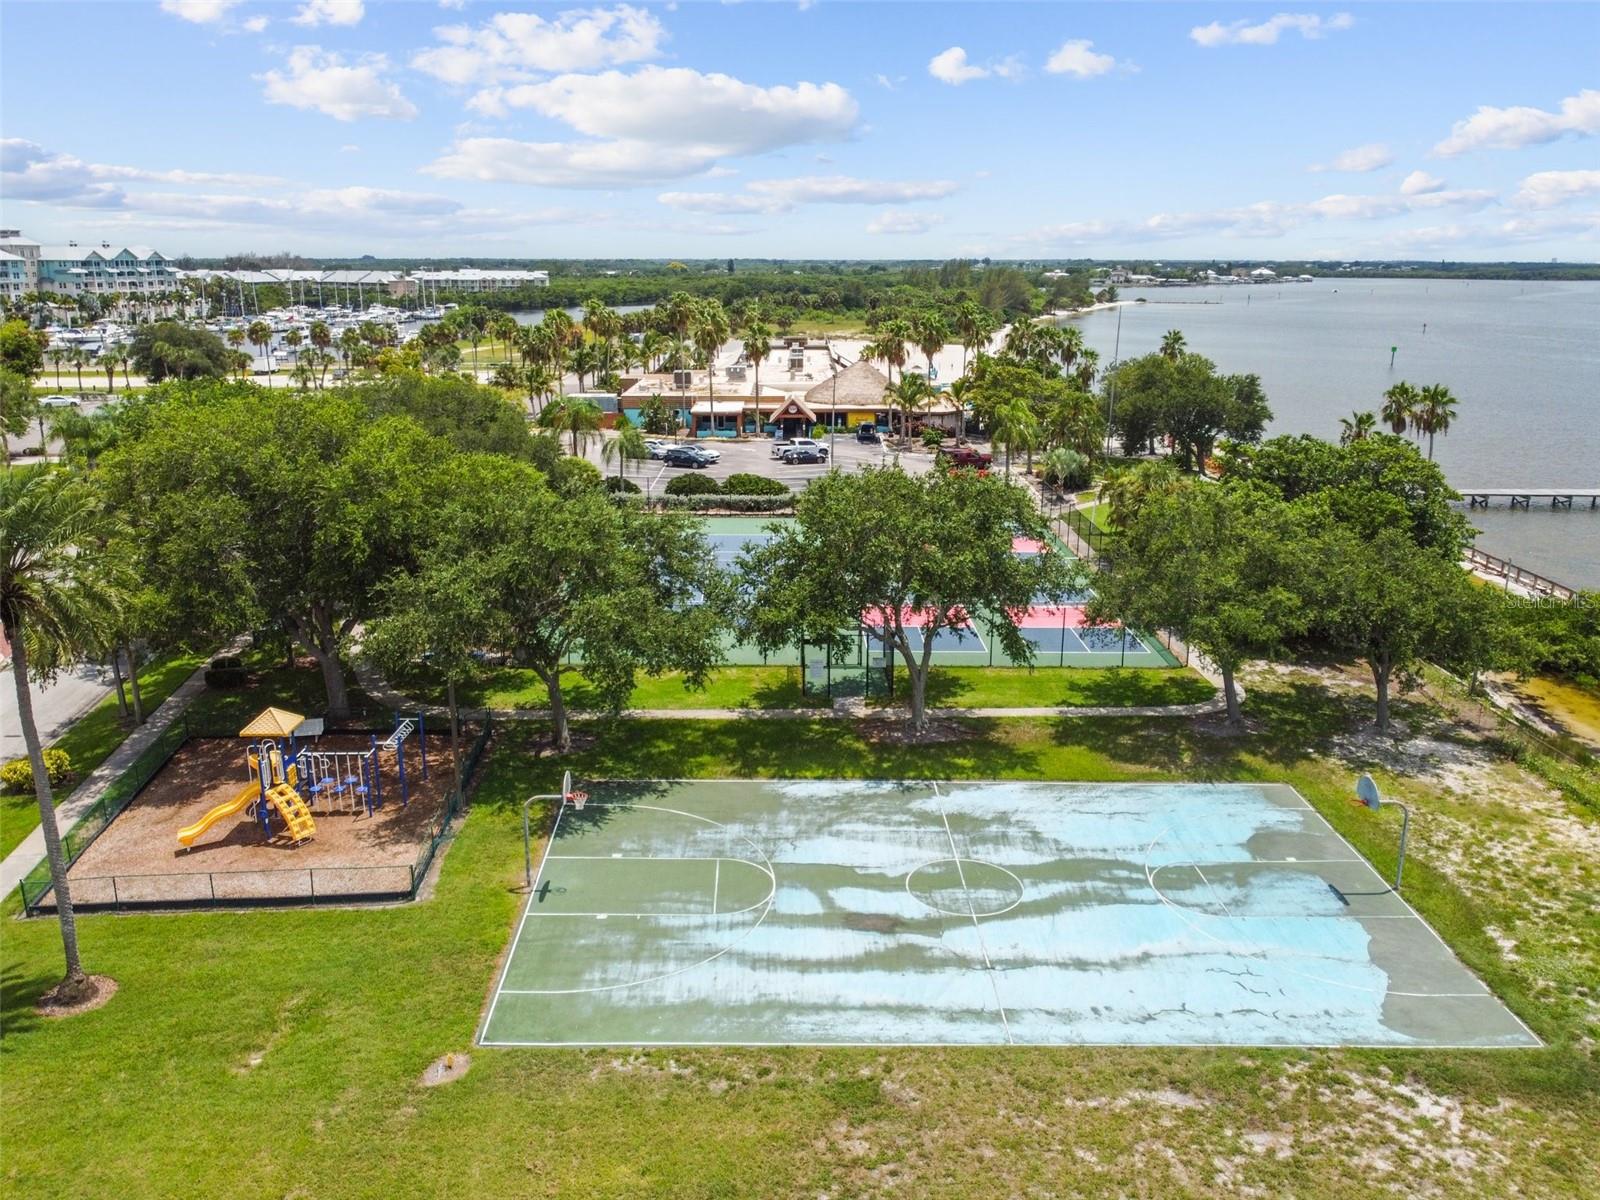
pixel 236 889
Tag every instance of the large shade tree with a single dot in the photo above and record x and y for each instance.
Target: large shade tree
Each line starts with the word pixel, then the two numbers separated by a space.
pixel 285 515
pixel 575 582
pixel 1224 571
pixel 909 556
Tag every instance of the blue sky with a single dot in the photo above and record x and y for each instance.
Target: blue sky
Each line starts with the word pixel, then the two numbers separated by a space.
pixel 485 128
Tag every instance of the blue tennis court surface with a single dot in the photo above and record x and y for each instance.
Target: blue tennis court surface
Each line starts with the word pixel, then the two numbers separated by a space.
pixel 1042 913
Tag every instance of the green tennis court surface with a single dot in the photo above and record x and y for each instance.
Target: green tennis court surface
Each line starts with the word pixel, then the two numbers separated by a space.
pixel 742 912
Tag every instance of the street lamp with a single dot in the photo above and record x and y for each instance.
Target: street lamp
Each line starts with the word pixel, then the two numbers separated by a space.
pixel 1367 793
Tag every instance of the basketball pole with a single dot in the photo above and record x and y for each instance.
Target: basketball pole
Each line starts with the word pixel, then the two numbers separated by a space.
pixel 527 840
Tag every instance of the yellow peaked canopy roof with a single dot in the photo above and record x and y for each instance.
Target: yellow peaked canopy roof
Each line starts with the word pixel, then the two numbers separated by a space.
pixel 272 722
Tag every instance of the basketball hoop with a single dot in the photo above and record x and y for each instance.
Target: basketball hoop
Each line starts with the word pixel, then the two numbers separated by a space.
pixel 575 798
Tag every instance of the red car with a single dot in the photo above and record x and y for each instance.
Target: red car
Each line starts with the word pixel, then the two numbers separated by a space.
pixel 963 457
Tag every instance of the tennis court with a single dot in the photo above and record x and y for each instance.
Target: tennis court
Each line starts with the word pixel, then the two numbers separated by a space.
pixel 1057 630
pixel 897 913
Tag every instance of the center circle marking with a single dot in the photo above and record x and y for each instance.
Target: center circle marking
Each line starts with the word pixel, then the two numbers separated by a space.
pixel 965 887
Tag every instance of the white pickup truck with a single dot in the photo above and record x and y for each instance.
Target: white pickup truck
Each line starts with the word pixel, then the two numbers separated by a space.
pixel 782 446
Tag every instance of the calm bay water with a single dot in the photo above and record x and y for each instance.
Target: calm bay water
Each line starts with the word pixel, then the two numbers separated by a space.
pixel 1523 360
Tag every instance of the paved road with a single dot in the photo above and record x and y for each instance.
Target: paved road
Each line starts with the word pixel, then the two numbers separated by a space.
pixel 55 706
pixel 755 457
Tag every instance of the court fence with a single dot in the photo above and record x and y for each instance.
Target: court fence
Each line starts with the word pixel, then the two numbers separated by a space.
pixel 278 887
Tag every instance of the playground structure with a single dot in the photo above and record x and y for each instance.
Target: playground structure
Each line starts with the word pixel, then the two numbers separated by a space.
pixel 290 780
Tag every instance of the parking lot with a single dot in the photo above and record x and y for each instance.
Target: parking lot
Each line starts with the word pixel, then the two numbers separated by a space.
pixel 754 457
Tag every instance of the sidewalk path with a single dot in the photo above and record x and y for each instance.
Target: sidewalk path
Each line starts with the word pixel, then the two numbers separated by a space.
pixel 30 852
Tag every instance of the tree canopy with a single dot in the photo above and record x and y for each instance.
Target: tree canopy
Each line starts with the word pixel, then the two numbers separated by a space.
pixel 169 350
pixel 908 555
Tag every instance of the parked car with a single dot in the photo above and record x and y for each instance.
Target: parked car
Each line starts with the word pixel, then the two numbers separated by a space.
pixel 657 447
pixel 867 433
pixel 966 456
pixel 710 452
pixel 805 454
pixel 784 448
pixel 60 402
pixel 686 456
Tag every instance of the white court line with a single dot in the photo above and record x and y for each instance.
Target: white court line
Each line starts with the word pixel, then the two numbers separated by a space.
pixel 973 913
pixel 716 884
pixel 766 906
pixel 1183 909
pixel 527 907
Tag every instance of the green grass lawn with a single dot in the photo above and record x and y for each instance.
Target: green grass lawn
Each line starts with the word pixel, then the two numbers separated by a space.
pixel 92 739
pixel 277 1053
pixel 726 687
pixel 779 687
pixel 1057 687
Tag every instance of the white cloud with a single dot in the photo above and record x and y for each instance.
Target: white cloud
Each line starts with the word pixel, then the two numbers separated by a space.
pixel 1266 33
pixel 1420 183
pixel 255 25
pixel 30 172
pixel 899 221
pixel 201 12
pixel 951 66
pixel 886 83
pixel 1547 189
pixel 514 46
pixel 653 125
pixel 782 195
pixel 1078 59
pixel 1371 157
pixel 322 80
pixel 1514 128
pixel 456 5
pixel 330 12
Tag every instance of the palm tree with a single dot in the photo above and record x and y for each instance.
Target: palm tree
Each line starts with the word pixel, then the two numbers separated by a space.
pixel 893 335
pixel 322 339
pixel 911 394
pixel 709 331
pixel 603 325
pixel 111 359
pixel 975 325
pixel 79 358
pixel 628 446
pixel 53 605
pixel 1084 370
pixel 559 333
pixel 577 417
pixel 1015 427
pixel 757 345
pixel 294 339
pixel 1399 406
pixel 260 335
pixel 1356 427
pixel 583 361
pixel 540 382
pixel 1173 345
pixel 930 333
pixel 504 326
pixel 1435 413
pixel 652 348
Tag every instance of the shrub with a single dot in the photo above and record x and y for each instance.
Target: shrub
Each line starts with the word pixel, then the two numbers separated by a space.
pixel 616 483
pixel 694 485
pixel 932 438
pixel 818 432
pixel 745 484
pixel 17 775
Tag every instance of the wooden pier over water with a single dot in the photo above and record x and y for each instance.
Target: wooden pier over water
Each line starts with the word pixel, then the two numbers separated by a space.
pixel 1524 497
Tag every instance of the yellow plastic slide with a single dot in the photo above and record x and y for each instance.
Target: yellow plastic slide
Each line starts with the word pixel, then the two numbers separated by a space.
pixel 238 804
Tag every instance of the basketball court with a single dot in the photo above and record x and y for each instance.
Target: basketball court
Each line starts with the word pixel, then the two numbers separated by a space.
pixel 739 912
